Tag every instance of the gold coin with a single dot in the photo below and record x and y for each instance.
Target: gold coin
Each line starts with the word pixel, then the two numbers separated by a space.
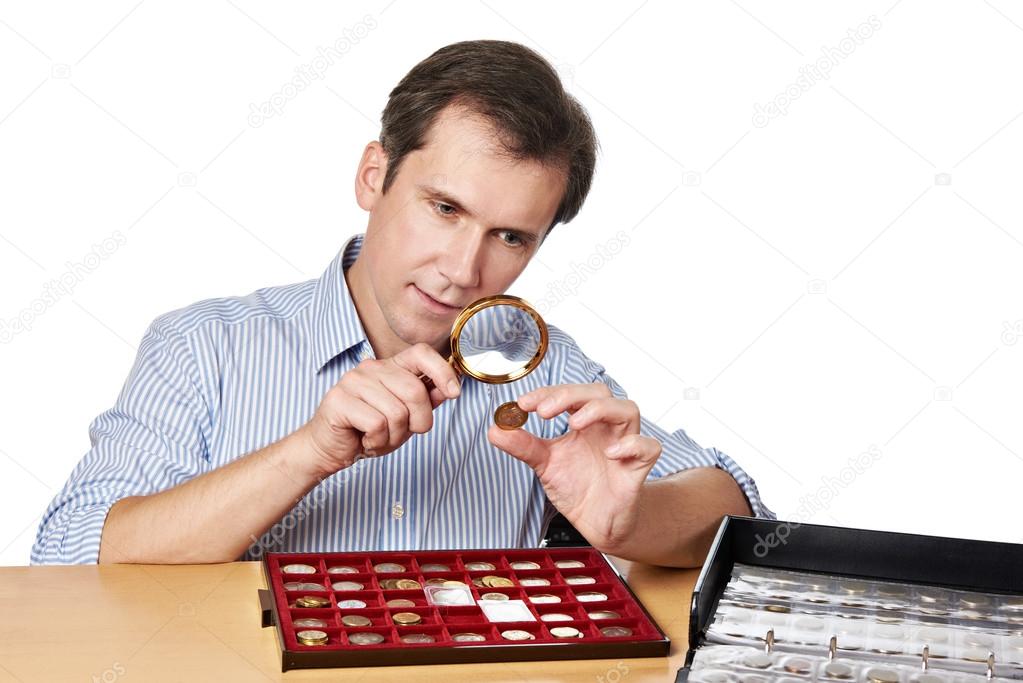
pixel 347 586
pixel 479 567
pixel 436 582
pixel 566 632
pixel 365 638
pixel 467 637
pixel 298 569
pixel 453 584
pixel 389 584
pixel 388 568
pixel 312 601
pixel 493 596
pixel 616 631
pixel 517 634
pixel 355 620
pixel 497 582
pixel 798 666
pixel 604 614
pixel 311 637
pixel 406 618
pixel 509 416
pixel 400 602
pixel 408 584
pixel 524 564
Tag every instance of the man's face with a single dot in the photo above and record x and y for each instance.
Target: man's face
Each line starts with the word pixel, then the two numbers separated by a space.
pixel 458 223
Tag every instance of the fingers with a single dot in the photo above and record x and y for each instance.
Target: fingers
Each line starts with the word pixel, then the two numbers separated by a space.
pixel 422 359
pixel 550 401
pixel 520 444
pixel 644 449
pixel 612 411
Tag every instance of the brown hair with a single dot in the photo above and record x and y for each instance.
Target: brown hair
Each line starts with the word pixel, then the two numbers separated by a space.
pixel 516 90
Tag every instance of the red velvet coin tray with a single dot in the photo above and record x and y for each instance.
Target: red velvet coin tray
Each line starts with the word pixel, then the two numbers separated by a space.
pixel 440 622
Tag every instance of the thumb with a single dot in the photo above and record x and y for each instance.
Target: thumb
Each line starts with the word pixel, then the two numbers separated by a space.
pixel 520 444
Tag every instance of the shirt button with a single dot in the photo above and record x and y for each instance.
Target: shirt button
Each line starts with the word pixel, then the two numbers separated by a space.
pixel 398 510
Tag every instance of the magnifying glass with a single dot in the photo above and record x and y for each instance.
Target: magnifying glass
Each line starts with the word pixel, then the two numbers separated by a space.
pixel 499 339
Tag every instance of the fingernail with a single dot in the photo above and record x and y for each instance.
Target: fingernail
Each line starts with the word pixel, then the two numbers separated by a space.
pixel 453 388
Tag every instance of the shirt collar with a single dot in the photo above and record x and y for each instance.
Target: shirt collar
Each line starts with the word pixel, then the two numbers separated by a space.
pixel 335 326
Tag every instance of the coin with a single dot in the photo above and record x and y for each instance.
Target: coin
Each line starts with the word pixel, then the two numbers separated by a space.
pixel 556 616
pixel 388 568
pixel 389 584
pixel 882 676
pixel 517 634
pixel 616 631
pixel 347 586
pixel 351 604
pixel 590 597
pixel 510 416
pixel 838 670
pixel 406 618
pixel 566 632
pixel 798 666
pixel 311 637
pixel 524 564
pixel 480 566
pixel 435 568
pixel 497 582
pixel 579 580
pixel 782 609
pixel 436 582
pixel 400 602
pixel 534 581
pixel 355 620
pixel 466 637
pixel 408 584
pixel 543 598
pixel 493 596
pixel 298 586
pixel 478 582
pixel 417 638
pixel 312 601
pixel 569 564
pixel 604 614
pixel 342 569
pixel 757 660
pixel 298 569
pixel 309 623
pixel 453 584
pixel 365 638
pixel 452 596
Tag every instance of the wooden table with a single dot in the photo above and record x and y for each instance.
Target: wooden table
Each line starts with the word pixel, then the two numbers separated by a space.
pixel 202 623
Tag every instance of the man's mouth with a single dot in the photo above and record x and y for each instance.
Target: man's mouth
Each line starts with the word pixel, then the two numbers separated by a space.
pixel 434 305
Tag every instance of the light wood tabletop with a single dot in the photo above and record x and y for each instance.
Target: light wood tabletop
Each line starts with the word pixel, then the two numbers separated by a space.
pixel 202 623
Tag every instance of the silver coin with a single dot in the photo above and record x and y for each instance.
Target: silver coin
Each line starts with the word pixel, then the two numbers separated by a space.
pixel 569 564
pixel 388 568
pixel 579 580
pixel 309 622
pixel 453 596
pixel 556 616
pixel 566 632
pixel 365 638
pixel 298 569
pixel 347 586
pixel 311 634
pixel 757 660
pixel 479 566
pixel 517 634
pixel 355 621
pixel 418 638
pixel 342 569
pixel 590 597
pixel 534 581
pixel 350 604
pixel 466 637
pixel 543 598
pixel 616 631
pixel 524 564
pixel 294 586
pixel 838 670
pixel 604 614
pixel 434 568
pixel 878 675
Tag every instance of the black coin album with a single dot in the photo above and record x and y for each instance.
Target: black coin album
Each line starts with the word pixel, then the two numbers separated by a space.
pixel 786 602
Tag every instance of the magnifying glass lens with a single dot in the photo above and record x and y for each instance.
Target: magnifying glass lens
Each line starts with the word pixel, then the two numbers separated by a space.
pixel 499 341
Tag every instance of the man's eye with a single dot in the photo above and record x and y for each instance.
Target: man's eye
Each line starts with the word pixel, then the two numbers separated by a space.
pixel 511 239
pixel 444 209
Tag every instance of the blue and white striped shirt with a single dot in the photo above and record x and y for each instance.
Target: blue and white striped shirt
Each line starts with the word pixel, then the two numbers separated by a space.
pixel 224 377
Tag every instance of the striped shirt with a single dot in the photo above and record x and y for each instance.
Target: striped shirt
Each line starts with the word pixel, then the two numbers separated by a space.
pixel 225 377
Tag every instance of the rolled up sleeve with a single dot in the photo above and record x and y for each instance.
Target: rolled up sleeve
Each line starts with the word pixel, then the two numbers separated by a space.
pixel 153 438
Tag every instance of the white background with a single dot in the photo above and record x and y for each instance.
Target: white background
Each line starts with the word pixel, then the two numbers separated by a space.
pixel 844 278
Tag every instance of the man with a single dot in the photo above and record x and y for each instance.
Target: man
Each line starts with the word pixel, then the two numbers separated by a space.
pixel 239 408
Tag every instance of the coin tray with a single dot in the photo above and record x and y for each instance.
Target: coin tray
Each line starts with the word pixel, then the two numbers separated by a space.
pixel 774 598
pixel 281 608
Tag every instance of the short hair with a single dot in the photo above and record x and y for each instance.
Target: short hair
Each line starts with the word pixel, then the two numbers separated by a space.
pixel 513 88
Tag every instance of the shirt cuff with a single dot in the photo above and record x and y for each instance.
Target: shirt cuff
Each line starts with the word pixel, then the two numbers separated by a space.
pixel 75 539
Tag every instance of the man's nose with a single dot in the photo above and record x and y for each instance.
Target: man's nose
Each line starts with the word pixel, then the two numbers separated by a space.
pixel 462 259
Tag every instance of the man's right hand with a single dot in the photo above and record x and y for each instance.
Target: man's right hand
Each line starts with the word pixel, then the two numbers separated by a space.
pixel 376 407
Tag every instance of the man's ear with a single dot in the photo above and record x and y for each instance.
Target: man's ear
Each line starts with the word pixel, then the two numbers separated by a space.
pixel 369 178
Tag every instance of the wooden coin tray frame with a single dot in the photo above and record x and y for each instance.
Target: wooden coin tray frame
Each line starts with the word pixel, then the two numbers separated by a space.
pixel 647 639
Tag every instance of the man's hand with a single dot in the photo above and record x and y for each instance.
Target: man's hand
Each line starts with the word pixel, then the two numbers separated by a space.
pixel 376 407
pixel 594 473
